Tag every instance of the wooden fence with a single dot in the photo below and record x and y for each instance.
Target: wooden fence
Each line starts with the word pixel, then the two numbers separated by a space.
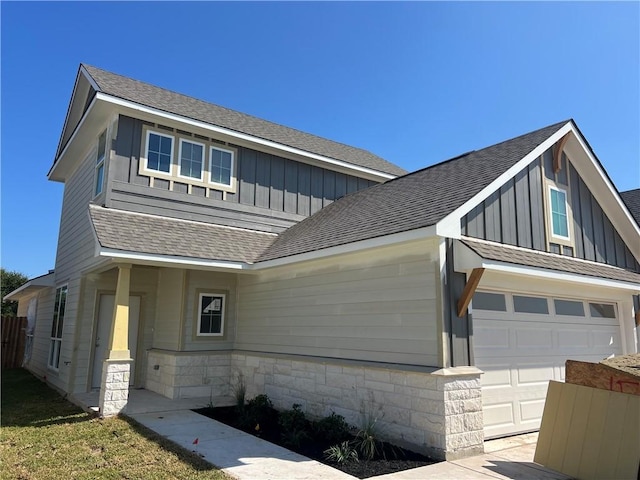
pixel 13 340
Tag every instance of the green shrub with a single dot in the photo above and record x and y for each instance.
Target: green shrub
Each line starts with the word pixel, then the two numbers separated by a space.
pixel 341 453
pixel 294 426
pixel 258 414
pixel 332 429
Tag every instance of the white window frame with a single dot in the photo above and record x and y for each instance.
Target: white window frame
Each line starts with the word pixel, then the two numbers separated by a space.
pixel 146 154
pixel 222 317
pixel 233 160
pixel 100 165
pixel 567 213
pixel 181 141
pixel 55 344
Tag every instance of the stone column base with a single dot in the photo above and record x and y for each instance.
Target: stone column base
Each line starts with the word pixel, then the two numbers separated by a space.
pixel 114 389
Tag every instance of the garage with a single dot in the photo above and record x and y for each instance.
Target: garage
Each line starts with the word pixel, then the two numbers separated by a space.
pixel 522 341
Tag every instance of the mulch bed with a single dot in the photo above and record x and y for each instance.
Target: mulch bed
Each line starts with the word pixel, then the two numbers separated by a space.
pixel 397 459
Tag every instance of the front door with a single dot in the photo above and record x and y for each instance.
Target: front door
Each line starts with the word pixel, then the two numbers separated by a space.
pixel 105 317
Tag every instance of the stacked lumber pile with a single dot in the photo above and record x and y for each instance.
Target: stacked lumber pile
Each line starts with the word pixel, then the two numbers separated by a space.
pixel 591 423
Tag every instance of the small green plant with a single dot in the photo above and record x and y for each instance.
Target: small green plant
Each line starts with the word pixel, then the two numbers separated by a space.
pixel 332 429
pixel 240 391
pixel 294 426
pixel 341 453
pixel 367 441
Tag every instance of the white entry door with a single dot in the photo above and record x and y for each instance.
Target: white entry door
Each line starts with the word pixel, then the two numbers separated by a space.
pixel 105 317
pixel 523 341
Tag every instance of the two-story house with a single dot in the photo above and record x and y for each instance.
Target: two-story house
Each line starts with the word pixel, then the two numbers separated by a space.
pixel 199 246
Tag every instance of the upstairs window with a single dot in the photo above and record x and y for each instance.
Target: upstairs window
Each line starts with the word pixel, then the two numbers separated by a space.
pixel 102 153
pixel 559 218
pixel 56 327
pixel 211 314
pixel 191 159
pixel 159 152
pixel 221 166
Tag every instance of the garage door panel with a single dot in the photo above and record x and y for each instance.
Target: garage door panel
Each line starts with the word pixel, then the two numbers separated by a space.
pixel 492 337
pixel 572 339
pixel 531 411
pixel 519 353
pixel 496 376
pixel 533 374
pixel 499 415
pixel 533 339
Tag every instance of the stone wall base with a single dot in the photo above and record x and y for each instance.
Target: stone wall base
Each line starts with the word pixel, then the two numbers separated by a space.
pixel 114 388
pixel 188 375
pixel 437 412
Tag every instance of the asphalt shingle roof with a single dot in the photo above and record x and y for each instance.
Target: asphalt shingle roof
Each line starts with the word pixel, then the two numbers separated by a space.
pixel 631 198
pixel 183 105
pixel 550 261
pixel 141 233
pixel 416 200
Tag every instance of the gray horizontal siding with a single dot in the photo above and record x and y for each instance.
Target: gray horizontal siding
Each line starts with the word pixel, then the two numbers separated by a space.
pixel 137 198
pixel 264 181
pixel 515 215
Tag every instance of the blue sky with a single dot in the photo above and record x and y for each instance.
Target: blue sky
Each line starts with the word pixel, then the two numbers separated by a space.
pixel 415 83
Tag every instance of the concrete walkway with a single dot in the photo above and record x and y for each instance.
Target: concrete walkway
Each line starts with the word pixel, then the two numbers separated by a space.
pixel 246 457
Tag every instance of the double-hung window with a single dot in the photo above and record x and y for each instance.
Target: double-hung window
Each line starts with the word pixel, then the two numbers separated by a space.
pixel 221 166
pixel 211 314
pixel 159 152
pixel 559 217
pixel 102 151
pixel 191 159
pixel 56 327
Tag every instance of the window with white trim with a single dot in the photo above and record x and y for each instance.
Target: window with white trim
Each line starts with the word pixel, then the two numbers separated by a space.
pixel 558 210
pixel 159 152
pixel 191 159
pixel 56 327
pixel 211 314
pixel 221 166
pixel 100 156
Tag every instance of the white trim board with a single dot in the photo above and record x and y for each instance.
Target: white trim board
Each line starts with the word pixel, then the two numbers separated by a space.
pixel 241 136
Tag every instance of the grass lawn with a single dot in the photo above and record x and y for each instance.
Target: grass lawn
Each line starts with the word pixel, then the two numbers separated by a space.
pixel 44 436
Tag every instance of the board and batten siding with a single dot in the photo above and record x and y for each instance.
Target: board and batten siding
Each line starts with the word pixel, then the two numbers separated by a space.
pixel 515 215
pixel 379 305
pixel 272 193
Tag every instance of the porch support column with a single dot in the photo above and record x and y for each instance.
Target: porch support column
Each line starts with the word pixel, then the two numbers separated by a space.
pixel 114 388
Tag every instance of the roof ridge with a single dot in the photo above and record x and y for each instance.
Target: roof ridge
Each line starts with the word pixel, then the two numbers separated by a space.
pixel 235 112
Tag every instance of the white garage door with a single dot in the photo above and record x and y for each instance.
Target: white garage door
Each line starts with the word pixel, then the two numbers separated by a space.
pixel 521 342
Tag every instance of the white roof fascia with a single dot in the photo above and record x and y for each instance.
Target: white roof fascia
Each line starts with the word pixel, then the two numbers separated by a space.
pixel 38 283
pixel 242 136
pixel 89 78
pixel 173 260
pixel 73 136
pixel 382 241
pixel 449 226
pixel 558 275
pixel 612 189
pixel 466 259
